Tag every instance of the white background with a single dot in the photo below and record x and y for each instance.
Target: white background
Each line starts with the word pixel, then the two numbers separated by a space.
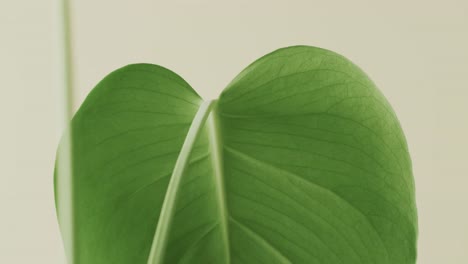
pixel 416 52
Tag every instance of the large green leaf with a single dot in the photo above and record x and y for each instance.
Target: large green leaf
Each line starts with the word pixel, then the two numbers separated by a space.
pixel 301 160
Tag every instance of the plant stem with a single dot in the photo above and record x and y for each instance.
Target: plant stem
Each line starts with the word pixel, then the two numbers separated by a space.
pixel 64 169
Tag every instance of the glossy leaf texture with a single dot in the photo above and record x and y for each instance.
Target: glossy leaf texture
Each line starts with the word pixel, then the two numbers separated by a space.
pixel 301 160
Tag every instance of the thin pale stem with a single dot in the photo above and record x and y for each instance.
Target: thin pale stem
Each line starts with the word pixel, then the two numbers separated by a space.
pixel 64 168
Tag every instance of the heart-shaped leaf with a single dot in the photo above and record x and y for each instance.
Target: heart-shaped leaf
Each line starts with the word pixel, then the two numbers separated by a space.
pixel 301 160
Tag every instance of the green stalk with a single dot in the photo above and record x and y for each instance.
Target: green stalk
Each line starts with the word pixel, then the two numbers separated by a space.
pixel 64 168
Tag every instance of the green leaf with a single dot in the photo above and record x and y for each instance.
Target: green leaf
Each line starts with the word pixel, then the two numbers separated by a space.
pixel 301 160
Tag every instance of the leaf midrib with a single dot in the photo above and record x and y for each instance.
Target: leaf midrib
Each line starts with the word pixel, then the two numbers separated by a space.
pixel 216 150
pixel 160 239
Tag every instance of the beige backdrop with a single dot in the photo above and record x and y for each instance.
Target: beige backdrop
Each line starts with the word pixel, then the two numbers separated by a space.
pixel 416 52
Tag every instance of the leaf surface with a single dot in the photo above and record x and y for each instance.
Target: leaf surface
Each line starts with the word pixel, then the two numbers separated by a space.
pixel 301 160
